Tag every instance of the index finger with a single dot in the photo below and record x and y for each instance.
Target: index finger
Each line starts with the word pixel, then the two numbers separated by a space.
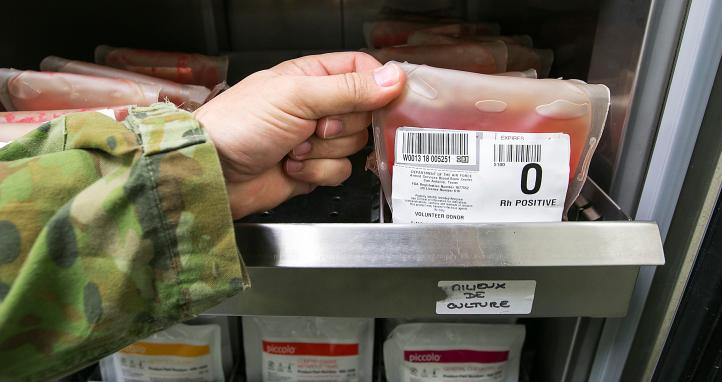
pixel 328 64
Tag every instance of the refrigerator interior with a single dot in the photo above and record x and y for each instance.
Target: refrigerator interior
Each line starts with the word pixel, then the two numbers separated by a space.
pixel 599 41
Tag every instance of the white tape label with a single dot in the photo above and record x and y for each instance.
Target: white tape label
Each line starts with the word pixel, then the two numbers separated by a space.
pixel 487 297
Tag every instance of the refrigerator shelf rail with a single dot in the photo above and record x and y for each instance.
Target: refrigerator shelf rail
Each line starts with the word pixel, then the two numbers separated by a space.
pixel 392 270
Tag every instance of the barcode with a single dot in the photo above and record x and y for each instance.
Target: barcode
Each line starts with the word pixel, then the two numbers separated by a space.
pixel 435 143
pixel 517 153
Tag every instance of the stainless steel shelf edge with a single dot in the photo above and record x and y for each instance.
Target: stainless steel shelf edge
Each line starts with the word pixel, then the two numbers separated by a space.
pixel 388 270
pixel 448 246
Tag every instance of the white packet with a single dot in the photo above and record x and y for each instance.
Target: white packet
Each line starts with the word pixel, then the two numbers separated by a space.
pixel 230 338
pixel 439 352
pixel 308 349
pixel 181 353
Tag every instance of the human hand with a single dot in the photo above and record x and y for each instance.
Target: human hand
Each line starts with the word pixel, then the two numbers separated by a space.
pixel 284 131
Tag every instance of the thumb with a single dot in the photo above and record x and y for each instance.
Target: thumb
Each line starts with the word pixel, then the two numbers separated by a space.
pixel 321 96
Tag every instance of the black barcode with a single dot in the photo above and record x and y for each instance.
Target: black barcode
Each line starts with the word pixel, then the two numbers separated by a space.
pixel 435 143
pixel 517 153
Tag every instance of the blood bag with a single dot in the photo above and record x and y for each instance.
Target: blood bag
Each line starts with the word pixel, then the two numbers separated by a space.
pixel 189 97
pixel 186 68
pixel 385 33
pixel 470 56
pixel 519 135
pixel 30 90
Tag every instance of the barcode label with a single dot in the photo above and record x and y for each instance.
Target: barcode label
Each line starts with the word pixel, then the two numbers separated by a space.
pixel 510 153
pixel 435 143
pixel 435 146
pixel 506 178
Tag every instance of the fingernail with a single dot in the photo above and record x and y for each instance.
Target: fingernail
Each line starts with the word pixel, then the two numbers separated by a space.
pixel 387 75
pixel 293 165
pixel 302 149
pixel 331 128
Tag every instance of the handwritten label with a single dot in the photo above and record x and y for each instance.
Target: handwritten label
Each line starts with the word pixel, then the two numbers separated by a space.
pixel 487 297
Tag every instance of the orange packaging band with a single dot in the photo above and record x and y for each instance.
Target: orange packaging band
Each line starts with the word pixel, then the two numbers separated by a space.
pixel 171 349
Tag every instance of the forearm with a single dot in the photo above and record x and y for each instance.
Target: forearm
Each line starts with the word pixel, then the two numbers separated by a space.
pixel 118 231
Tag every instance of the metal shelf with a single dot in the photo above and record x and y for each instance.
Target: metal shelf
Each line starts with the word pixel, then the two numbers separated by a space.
pixel 587 267
pixel 385 270
pixel 581 268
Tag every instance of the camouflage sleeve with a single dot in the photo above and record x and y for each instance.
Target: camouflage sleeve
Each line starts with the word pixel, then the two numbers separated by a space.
pixel 108 232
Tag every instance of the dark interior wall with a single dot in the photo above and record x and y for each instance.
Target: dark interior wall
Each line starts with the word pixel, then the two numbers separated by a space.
pixel 32 30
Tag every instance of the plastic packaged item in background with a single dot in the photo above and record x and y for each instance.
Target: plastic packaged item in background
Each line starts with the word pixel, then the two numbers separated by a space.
pixel 477 57
pixel 466 29
pixel 12 131
pixel 529 73
pixel 204 70
pixel 439 352
pixel 523 58
pixel 15 124
pixel 179 353
pixel 189 97
pixel 520 57
pixel 519 108
pixel 181 74
pixel 29 90
pixel 39 116
pixel 425 37
pixel 230 339
pixel 303 349
pixel 418 6
pixel 385 33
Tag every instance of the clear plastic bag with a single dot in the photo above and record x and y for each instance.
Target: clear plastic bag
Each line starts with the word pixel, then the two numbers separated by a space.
pixel 520 55
pixel 416 6
pixel 186 68
pixel 529 73
pixel 470 56
pixel 15 124
pixel 189 97
pixel 12 131
pixel 179 353
pixel 297 349
pixel 438 352
pixel 385 33
pixel 465 29
pixel 522 58
pixel 30 90
pixel 180 74
pixel 40 116
pixel 448 99
pixel 425 37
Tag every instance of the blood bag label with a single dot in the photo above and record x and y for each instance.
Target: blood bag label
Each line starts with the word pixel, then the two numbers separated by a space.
pixel 148 361
pixel 421 146
pixel 487 297
pixel 310 362
pixel 458 176
pixel 462 364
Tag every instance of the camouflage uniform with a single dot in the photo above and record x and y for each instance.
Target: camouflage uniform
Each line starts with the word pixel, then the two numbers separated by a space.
pixel 108 232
